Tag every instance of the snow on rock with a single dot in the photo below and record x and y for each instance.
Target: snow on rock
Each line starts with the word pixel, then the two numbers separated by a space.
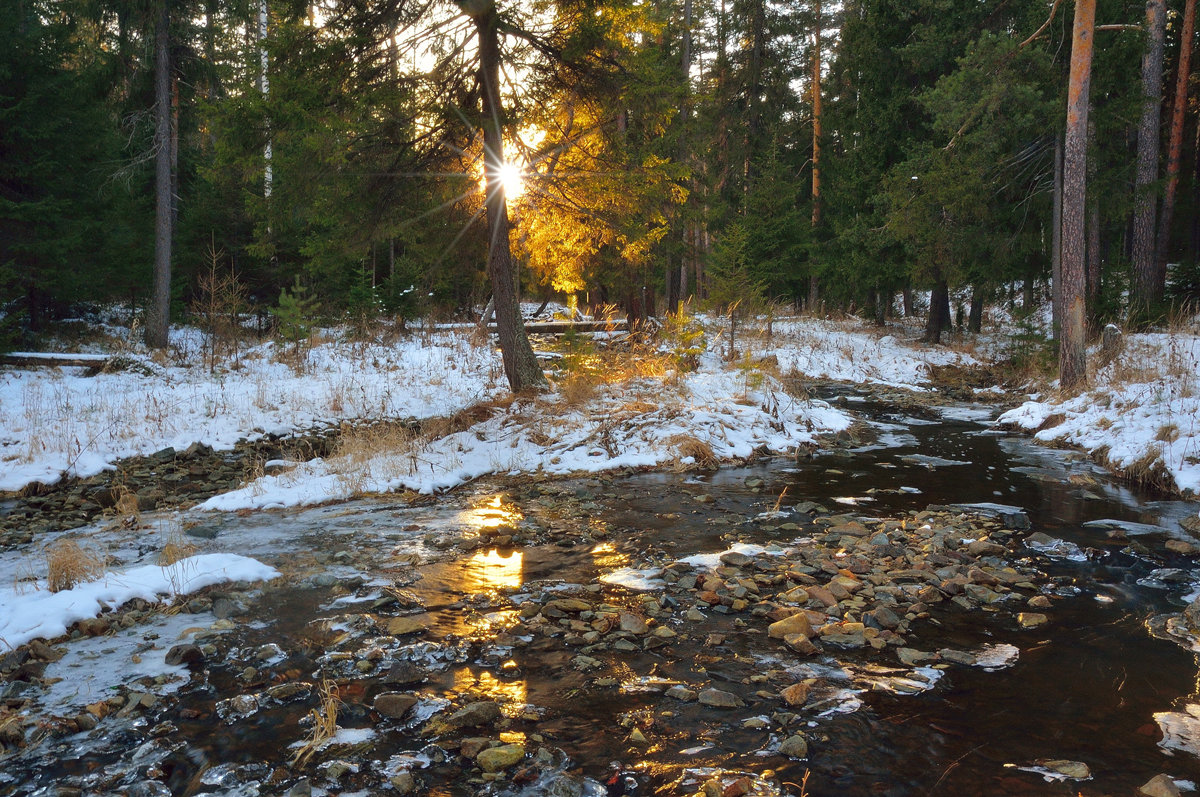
pixel 1139 413
pixel 31 611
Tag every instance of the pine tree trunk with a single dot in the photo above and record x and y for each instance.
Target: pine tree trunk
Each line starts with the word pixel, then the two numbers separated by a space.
pixel 1145 266
pixel 754 67
pixel 975 320
pixel 813 279
pixel 685 65
pixel 1072 362
pixel 159 313
pixel 1174 147
pixel 1056 241
pixel 520 365
pixel 939 311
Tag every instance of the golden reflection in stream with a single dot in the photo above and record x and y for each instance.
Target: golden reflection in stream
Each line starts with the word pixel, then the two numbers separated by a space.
pixel 511 695
pixel 492 514
pixel 607 556
pixel 492 570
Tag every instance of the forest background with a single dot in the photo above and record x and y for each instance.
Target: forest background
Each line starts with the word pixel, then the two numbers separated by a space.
pixel 326 160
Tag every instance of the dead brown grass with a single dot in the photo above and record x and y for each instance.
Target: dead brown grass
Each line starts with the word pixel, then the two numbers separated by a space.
pixel 127 504
pixel 686 445
pixel 578 388
pixel 175 549
pixel 68 563
pixel 324 719
pixel 1167 433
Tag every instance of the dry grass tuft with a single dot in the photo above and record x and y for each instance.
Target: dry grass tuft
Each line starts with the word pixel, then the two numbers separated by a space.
pixel 578 388
pixel 1167 433
pixel 68 563
pixel 324 720
pixel 175 548
pixel 127 504
pixel 362 450
pixel 687 445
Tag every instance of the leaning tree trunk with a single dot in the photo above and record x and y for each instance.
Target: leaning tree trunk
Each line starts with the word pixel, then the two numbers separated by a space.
pixel 1145 266
pixel 159 313
pixel 1175 146
pixel 1072 359
pixel 520 365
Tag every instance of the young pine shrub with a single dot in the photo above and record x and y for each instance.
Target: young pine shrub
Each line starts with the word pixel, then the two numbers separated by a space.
pixel 293 321
pixel 220 301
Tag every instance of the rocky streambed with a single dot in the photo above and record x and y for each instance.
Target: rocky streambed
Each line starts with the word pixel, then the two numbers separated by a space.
pixel 671 633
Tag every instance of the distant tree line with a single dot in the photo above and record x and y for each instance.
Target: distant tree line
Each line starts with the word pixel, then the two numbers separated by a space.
pixel 825 155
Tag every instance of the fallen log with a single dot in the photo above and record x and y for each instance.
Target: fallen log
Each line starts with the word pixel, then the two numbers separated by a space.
pixel 94 362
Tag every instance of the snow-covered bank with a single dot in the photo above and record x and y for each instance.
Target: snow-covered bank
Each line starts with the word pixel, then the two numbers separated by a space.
pixel 852 351
pixel 640 423
pixel 1141 413
pixel 31 611
pixel 56 421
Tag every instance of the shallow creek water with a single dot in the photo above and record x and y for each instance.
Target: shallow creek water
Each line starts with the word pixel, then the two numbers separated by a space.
pixel 1089 686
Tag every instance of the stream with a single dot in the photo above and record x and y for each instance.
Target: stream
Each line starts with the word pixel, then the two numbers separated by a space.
pixel 468 599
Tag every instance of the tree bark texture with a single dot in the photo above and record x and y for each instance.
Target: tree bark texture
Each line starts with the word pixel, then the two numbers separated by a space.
pixel 1072 360
pixel 1056 240
pixel 520 365
pixel 1145 265
pixel 939 311
pixel 1175 146
pixel 975 319
pixel 159 313
pixel 816 111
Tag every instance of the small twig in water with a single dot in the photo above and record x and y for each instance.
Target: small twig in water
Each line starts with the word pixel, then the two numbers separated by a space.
pixel 953 764
pixel 778 502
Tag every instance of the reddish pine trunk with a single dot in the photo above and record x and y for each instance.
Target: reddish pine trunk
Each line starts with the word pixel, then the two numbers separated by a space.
pixel 1072 363
pixel 1175 146
pixel 1144 262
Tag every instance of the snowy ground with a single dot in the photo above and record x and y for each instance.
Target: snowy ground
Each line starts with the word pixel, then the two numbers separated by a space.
pixel 58 421
pixel 1141 412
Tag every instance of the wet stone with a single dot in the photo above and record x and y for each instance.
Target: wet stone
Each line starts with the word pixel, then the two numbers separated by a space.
pixel 394 704
pixel 189 655
pixel 399 626
pixel 718 698
pixel 405 672
pixel 796 624
pixel 795 746
pixel 633 624
pixel 495 759
pixel 681 692
pixel 224 608
pixel 1159 786
pixel 1031 619
pixel 480 713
